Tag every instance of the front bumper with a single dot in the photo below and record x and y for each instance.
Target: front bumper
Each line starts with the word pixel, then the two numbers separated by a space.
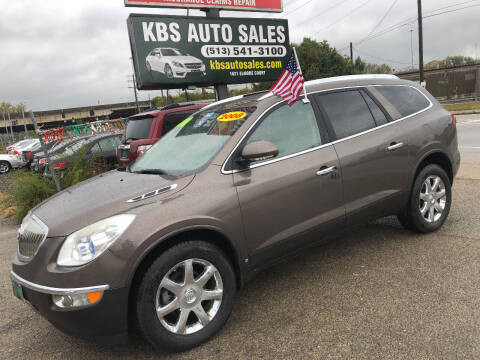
pixel 104 322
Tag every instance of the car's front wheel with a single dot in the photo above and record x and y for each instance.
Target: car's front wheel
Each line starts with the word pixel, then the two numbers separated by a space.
pixel 4 167
pixel 430 201
pixel 185 296
pixel 168 72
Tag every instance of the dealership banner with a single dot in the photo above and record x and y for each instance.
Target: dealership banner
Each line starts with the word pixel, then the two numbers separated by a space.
pixel 243 5
pixel 177 51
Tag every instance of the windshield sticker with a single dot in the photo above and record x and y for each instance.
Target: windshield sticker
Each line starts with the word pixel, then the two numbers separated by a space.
pixel 184 122
pixel 232 116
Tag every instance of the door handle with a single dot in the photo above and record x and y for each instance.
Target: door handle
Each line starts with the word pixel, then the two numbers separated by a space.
pixel 326 170
pixel 394 146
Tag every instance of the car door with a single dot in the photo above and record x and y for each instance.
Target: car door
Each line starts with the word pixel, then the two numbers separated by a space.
pixel 373 154
pixel 295 198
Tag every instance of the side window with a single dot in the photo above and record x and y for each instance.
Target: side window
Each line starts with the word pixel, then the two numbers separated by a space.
pixel 95 149
pixel 378 115
pixel 348 112
pixel 405 99
pixel 109 144
pixel 290 129
pixel 173 119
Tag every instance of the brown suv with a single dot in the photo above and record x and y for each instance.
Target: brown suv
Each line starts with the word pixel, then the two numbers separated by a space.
pixel 167 242
pixel 143 130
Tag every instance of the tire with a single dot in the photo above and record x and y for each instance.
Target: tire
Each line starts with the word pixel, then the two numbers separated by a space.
pixel 5 167
pixel 418 216
pixel 168 71
pixel 164 330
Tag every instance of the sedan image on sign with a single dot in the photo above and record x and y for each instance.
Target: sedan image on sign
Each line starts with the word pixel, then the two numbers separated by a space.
pixel 163 245
pixel 174 63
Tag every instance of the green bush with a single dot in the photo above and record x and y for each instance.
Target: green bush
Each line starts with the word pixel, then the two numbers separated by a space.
pixel 30 189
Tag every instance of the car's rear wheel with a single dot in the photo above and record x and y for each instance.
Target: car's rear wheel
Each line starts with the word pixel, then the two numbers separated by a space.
pixel 430 201
pixel 168 72
pixel 4 167
pixel 185 296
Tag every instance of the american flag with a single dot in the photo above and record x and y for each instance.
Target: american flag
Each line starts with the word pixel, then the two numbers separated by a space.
pixel 290 83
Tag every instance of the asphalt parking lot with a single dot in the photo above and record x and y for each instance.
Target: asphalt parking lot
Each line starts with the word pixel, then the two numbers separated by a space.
pixel 379 293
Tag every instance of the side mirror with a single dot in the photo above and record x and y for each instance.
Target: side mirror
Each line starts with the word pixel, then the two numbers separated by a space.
pixel 258 151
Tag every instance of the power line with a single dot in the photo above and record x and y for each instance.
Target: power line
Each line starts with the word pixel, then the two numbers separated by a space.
pixel 323 11
pixel 382 19
pixel 344 16
pixel 412 20
pixel 449 11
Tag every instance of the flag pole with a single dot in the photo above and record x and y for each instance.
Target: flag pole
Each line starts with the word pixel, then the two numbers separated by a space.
pixel 305 99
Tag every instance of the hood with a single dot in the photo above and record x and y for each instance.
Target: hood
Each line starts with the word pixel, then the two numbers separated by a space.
pixel 185 59
pixel 100 197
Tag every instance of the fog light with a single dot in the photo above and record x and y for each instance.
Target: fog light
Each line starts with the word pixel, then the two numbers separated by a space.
pixel 76 300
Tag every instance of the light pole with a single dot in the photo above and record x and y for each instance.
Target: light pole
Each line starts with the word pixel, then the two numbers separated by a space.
pixel 411 45
pixel 24 120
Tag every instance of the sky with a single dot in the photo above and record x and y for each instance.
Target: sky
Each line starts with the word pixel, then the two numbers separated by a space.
pixel 58 54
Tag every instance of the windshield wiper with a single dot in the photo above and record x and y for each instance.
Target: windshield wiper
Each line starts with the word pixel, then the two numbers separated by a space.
pixel 151 171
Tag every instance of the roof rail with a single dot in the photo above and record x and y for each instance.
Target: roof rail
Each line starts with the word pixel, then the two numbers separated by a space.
pixel 351 77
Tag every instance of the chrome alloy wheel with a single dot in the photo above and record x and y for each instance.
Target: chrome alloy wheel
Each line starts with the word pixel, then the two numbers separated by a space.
pixel 433 198
pixel 4 167
pixel 189 296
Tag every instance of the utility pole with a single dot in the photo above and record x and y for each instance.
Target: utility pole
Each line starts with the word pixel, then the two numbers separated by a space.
pixel 420 40
pixel 411 45
pixel 351 52
pixel 221 90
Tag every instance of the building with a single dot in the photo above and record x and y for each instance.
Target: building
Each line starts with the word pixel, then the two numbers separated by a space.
pixel 450 83
pixel 55 118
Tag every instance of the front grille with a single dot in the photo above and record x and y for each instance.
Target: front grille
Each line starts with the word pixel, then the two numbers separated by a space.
pixel 28 243
pixel 30 236
pixel 193 66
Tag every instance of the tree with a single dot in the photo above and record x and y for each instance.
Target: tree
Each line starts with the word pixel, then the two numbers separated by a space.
pixel 377 69
pixel 319 60
pixel 458 60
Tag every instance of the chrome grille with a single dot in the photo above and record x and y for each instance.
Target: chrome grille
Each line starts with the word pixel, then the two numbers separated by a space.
pixel 193 66
pixel 30 236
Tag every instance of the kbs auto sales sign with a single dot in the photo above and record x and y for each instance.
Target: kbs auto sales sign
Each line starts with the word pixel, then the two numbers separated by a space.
pixel 243 5
pixel 176 51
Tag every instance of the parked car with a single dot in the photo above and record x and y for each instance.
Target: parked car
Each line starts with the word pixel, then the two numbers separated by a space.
pixel 39 161
pixel 242 183
pixel 24 145
pixel 101 147
pixel 10 161
pixel 19 143
pixel 174 63
pixel 144 130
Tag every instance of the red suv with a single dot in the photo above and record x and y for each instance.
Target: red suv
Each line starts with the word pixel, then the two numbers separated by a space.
pixel 145 129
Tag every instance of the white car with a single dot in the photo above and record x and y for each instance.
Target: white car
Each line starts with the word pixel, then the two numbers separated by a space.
pixel 174 63
pixel 10 161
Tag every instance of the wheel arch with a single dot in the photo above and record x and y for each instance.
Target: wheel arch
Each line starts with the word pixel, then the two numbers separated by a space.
pixel 436 157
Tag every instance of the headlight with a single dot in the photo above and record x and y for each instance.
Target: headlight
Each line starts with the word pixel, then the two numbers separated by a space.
pixel 177 64
pixel 90 242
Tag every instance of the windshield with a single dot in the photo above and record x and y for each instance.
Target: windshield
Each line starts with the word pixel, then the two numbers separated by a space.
pixel 138 129
pixel 193 143
pixel 170 52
